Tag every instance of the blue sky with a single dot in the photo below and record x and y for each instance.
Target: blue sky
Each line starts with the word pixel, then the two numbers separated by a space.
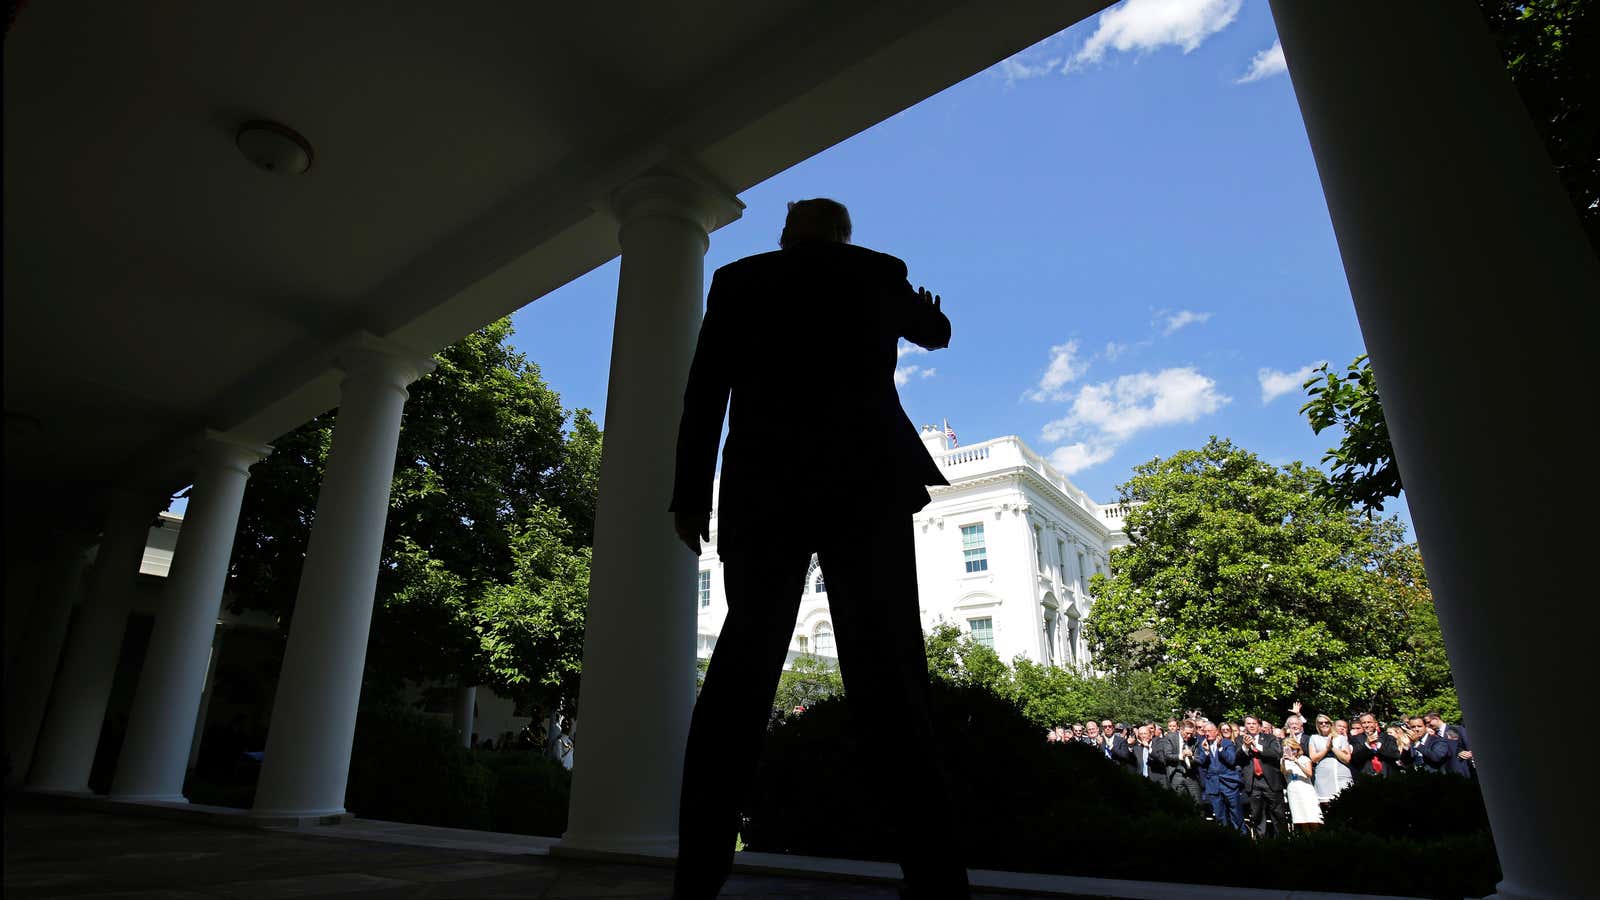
pixel 1126 227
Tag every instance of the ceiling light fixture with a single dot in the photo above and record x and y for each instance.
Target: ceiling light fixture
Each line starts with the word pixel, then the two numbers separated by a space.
pixel 274 147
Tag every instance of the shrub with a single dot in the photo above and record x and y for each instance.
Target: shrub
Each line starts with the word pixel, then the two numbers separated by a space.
pixel 1027 805
pixel 531 793
pixel 1417 805
pixel 406 767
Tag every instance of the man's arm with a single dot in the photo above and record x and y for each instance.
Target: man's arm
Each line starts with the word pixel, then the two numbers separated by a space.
pixel 705 402
pixel 921 320
pixel 1271 751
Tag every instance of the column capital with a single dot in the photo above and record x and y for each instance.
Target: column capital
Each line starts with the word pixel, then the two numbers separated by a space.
pixel 217 449
pixel 364 356
pixel 681 191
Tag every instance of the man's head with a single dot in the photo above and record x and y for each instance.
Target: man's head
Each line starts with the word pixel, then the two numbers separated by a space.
pixel 1105 726
pixel 1077 729
pixel 1092 728
pixel 1369 725
pixel 1211 732
pixel 1294 725
pixel 1172 725
pixel 1252 725
pixel 1186 729
pixel 1416 728
pixel 818 220
pixel 1433 720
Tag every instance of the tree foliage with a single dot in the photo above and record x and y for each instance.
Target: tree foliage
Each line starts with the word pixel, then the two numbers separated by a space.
pixel 1048 695
pixel 1363 472
pixel 810 680
pixel 1242 589
pixel 1544 44
pixel 491 507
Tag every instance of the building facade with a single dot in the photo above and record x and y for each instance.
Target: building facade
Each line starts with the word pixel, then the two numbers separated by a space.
pixel 1005 553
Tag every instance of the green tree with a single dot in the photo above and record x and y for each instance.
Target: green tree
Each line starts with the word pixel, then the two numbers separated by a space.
pixel 811 679
pixel 1242 589
pixel 1544 44
pixel 483 462
pixel 1362 469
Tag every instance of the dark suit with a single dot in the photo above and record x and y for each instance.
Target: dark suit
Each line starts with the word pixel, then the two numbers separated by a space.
pixel 1387 754
pixel 836 312
pixel 1263 792
pixel 1220 782
pixel 1176 772
pixel 1118 752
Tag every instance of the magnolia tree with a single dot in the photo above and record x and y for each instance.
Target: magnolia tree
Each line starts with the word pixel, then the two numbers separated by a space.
pixel 1243 589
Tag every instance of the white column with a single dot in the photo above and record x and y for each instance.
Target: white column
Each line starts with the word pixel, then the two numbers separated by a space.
pixel 307 761
pixel 638 650
pixel 1475 289
pixel 155 753
pixel 28 684
pixel 466 706
pixel 71 729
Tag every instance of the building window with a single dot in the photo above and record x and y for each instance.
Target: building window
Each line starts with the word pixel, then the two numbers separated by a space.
pixel 1038 547
pixel 973 553
pixel 1083 576
pixel 1050 637
pixel 982 631
pixel 705 588
pixel 1061 560
pixel 705 644
pixel 824 639
pixel 814 577
pixel 817 584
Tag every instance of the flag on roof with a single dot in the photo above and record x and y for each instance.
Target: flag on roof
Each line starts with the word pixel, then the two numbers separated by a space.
pixel 950 434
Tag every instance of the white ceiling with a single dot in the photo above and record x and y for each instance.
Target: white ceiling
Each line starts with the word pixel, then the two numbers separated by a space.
pixel 157 284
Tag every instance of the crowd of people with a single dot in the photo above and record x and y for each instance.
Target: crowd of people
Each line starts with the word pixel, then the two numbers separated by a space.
pixel 1263 779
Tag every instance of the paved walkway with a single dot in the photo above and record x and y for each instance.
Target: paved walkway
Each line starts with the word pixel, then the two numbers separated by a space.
pixel 65 852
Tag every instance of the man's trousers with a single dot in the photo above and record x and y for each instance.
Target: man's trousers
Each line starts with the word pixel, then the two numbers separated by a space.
pixel 1265 804
pixel 872 594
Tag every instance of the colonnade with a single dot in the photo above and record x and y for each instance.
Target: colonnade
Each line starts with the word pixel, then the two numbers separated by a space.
pixel 642 614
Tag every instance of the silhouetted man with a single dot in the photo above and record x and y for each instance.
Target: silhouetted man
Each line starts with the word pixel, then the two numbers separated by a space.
pixel 799 345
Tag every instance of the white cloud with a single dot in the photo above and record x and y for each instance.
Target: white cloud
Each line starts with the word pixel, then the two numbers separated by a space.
pixel 1074 458
pixel 1145 25
pixel 1265 64
pixel 1114 350
pixel 1117 410
pixel 1182 319
pixel 904 374
pixel 1015 68
pixel 1065 365
pixel 1275 384
pixel 906 348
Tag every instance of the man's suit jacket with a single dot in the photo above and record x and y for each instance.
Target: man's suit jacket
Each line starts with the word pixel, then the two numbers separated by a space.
pixel 1361 756
pixel 1168 750
pixel 1219 771
pixel 1270 754
pixel 1151 765
pixel 1120 754
pixel 799 347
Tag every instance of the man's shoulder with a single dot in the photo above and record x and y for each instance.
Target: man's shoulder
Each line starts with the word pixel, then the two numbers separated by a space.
pixel 848 255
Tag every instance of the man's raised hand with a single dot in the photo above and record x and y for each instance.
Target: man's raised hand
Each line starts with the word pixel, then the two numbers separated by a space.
pixel 926 296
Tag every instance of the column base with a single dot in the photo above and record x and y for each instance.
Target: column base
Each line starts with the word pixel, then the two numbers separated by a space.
pixel 81 793
pixel 299 817
pixel 1507 891
pixel 148 798
pixel 617 848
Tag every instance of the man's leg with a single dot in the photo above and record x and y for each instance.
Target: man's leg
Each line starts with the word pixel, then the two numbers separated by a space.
pixel 731 715
pixel 1258 808
pixel 872 593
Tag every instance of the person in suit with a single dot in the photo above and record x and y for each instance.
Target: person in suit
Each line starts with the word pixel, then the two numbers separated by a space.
pixel 1175 752
pixel 1119 750
pixel 1261 772
pixel 843 309
pixel 1373 753
pixel 1218 761
pixel 1460 763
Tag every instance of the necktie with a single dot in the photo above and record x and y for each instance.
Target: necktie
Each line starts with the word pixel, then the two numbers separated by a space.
pixel 1257 765
pixel 1377 764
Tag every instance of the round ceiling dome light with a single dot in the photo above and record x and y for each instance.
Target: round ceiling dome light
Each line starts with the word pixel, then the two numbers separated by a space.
pixel 272 147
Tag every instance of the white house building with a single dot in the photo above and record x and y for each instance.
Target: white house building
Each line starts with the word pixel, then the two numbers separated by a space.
pixel 1005 553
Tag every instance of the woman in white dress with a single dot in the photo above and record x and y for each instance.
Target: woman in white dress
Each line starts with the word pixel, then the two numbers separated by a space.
pixel 1329 752
pixel 1304 810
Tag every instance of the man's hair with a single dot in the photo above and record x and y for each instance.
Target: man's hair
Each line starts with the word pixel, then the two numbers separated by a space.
pixel 818 219
pixel 1433 715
